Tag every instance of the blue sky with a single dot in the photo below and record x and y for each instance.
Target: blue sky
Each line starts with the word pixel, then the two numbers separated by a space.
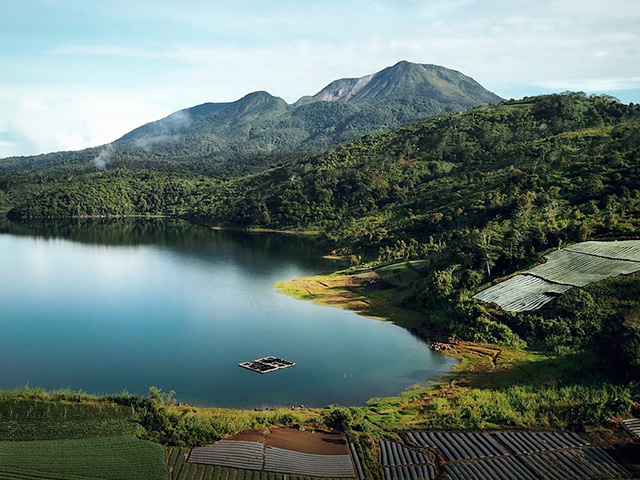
pixel 79 73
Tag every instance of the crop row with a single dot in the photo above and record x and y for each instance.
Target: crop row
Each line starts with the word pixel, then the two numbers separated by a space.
pixel 623 250
pixel 121 457
pixel 521 293
pixel 180 469
pixel 43 420
pixel 580 269
pixel 575 266
pixel 394 453
pixel 11 408
pixel 22 474
pixel 298 463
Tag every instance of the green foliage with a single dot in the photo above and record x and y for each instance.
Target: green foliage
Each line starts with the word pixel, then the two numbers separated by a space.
pixel 522 406
pixel 340 418
pixel 621 346
pixel 114 192
pixel 597 316
pixel 163 421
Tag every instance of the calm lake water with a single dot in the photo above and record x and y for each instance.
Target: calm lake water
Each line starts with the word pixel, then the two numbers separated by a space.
pixel 104 306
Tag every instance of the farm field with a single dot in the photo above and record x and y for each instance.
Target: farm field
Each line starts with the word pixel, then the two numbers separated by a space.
pixel 32 419
pixel 22 474
pixel 68 436
pixel 399 461
pixel 282 451
pixel 497 455
pixel 180 469
pixel 575 266
pixel 121 457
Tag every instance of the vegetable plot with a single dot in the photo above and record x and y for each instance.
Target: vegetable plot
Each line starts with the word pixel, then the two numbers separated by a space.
pixel 575 266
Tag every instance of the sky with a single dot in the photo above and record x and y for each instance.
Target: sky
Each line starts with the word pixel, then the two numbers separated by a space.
pixel 81 73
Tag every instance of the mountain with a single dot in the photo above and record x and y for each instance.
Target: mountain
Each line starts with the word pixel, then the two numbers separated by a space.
pixel 405 80
pixel 260 130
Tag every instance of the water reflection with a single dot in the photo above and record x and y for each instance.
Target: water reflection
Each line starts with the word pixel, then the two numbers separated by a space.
pixel 103 305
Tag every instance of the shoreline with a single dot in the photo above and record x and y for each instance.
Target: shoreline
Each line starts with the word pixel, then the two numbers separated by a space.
pixel 309 233
pixel 355 292
pixel 478 363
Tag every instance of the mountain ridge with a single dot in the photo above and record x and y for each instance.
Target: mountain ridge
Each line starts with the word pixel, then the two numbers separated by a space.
pixel 259 130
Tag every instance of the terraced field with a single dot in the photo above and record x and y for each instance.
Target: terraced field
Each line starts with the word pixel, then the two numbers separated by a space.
pixel 51 438
pixel 575 266
pixel 497 456
pixel 180 469
pixel 625 250
pixel 121 457
pixel 577 269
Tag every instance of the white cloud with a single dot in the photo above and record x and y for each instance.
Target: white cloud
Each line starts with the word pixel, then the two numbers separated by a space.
pixel 595 84
pixel 70 119
pixel 105 51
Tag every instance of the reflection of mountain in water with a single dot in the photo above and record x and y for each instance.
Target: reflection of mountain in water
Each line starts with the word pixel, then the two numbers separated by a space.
pixel 183 237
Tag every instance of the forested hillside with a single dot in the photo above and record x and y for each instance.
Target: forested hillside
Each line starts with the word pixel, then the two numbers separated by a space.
pixel 509 180
pixel 479 195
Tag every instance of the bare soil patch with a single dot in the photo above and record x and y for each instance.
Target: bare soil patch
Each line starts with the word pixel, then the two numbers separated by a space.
pixel 249 436
pixel 319 443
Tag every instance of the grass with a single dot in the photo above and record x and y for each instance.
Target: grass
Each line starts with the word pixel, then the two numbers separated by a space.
pixel 206 425
pixel 513 389
pixel 399 274
pixel 72 436
pixel 492 386
pixel 358 292
pixel 121 457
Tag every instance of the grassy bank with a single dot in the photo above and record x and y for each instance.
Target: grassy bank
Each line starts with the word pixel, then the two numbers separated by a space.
pixel 358 292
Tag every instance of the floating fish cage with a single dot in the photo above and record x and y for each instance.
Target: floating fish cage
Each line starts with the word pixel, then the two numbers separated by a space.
pixel 266 364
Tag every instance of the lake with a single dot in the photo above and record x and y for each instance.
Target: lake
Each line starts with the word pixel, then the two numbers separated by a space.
pixel 107 305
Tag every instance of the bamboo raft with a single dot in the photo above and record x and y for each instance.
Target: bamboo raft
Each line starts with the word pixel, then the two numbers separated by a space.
pixel 266 364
